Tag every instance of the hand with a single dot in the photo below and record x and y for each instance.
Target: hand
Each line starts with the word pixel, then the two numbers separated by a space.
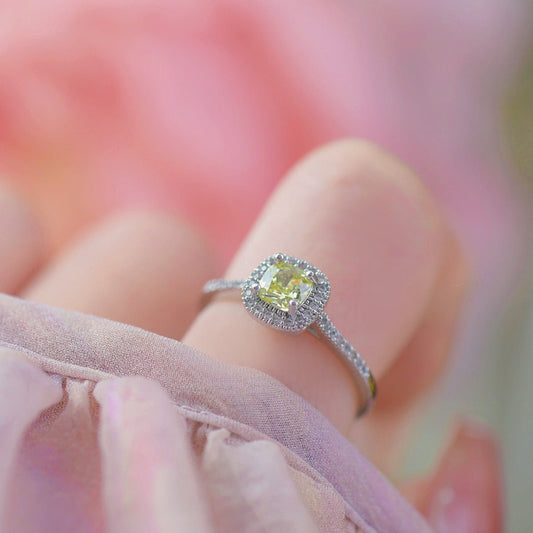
pixel 398 278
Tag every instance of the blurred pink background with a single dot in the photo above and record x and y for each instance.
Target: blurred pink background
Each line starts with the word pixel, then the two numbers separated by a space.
pixel 201 106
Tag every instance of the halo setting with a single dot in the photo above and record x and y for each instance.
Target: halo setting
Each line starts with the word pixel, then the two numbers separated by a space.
pixel 286 293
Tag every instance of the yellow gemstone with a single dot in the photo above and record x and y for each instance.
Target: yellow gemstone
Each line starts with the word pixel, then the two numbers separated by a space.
pixel 283 282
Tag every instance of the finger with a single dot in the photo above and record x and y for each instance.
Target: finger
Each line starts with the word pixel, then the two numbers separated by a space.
pixel 21 242
pixel 141 268
pixel 367 222
pixel 417 367
pixel 464 493
pixel 413 371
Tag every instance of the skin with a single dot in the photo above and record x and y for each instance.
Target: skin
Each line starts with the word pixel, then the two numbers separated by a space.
pixel 398 280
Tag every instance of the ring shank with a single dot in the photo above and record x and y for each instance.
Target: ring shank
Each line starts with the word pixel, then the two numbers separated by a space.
pixel 325 331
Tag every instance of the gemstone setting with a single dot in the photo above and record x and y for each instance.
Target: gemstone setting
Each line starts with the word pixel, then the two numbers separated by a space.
pixel 282 283
pixel 286 293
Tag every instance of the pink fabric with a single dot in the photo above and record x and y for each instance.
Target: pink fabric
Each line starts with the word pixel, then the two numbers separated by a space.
pixel 25 392
pixel 149 480
pixel 147 434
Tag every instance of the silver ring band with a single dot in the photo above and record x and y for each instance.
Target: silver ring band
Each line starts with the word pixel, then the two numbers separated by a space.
pixel 289 294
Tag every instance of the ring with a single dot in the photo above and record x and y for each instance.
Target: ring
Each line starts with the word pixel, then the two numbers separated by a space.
pixel 289 294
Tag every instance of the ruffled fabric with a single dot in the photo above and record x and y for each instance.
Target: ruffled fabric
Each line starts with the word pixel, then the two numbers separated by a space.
pixel 105 427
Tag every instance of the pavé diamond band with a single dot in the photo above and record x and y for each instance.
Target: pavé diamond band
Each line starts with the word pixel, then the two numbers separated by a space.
pixel 289 294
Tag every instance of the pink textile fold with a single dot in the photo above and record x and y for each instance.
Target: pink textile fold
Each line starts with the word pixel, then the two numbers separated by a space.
pixel 26 391
pixel 258 496
pixel 149 479
pixel 208 442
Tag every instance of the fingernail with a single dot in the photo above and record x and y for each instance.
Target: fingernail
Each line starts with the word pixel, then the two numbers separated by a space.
pixel 467 487
pixel 450 514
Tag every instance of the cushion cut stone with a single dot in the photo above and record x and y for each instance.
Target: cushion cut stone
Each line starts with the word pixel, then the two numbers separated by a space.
pixel 283 282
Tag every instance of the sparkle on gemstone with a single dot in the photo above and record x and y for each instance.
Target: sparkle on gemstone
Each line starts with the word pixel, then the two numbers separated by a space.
pixel 283 282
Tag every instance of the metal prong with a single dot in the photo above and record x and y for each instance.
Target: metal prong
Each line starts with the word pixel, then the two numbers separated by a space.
pixel 279 257
pixel 312 276
pixel 254 287
pixel 293 307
